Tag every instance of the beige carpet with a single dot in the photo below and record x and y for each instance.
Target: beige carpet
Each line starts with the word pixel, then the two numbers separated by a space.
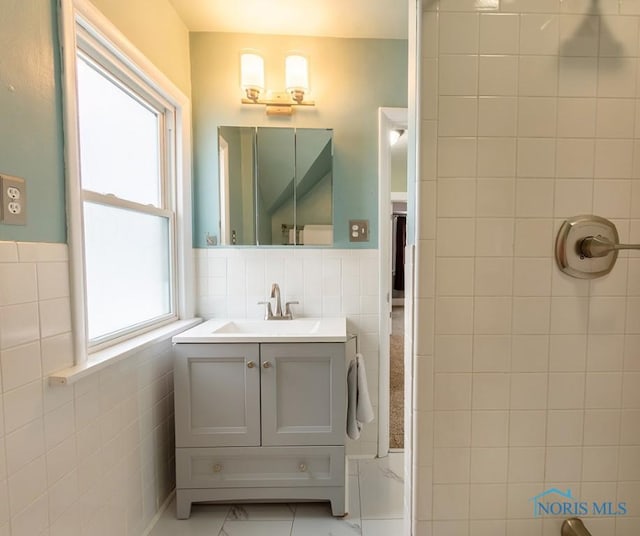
pixel 396 380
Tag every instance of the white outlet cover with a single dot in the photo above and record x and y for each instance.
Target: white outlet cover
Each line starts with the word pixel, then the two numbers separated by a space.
pixel 13 200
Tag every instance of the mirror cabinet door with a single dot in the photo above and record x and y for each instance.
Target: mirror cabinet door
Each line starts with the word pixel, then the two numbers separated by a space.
pixel 275 186
pixel 237 163
pixel 314 185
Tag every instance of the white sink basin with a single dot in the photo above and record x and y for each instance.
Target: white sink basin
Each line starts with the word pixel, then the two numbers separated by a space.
pixel 261 327
pixel 245 330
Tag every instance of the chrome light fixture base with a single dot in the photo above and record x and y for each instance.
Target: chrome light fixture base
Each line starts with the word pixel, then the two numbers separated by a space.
pixel 280 103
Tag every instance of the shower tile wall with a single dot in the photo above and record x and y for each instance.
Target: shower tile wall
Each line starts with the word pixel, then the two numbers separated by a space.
pixel 92 459
pixel 526 379
pixel 326 282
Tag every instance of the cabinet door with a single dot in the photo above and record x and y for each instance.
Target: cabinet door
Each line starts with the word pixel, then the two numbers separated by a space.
pixel 217 395
pixel 303 394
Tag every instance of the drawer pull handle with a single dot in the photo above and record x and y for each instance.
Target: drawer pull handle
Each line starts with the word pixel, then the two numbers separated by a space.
pixel 266 364
pixel 302 468
pixel 251 364
pixel 217 468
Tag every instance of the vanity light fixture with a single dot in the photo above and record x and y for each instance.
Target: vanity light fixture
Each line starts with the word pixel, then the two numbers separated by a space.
pixel 277 102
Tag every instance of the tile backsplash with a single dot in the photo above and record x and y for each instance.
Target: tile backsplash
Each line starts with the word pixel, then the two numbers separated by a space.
pixel 95 458
pixel 326 282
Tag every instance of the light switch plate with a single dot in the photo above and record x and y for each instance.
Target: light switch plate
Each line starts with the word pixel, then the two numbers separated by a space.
pixel 13 198
pixel 358 230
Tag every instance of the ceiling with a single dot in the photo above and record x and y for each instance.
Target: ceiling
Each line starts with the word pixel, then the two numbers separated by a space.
pixel 382 19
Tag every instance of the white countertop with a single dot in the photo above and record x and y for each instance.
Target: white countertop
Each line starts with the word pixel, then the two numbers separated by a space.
pixel 250 330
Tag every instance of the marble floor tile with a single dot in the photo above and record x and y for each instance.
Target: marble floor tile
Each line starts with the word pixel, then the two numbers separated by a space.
pixel 326 526
pixel 355 510
pixel 382 527
pixel 375 509
pixel 205 520
pixel 322 511
pixel 256 528
pixel 353 467
pixel 261 512
pixel 353 504
pixel 382 487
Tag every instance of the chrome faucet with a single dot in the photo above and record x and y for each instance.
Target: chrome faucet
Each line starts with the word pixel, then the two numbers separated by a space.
pixel 275 293
pixel 269 315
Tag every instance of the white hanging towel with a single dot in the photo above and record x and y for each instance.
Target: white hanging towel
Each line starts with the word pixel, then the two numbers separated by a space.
pixel 359 410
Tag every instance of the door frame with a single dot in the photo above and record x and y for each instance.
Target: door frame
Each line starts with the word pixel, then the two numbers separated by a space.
pixel 388 119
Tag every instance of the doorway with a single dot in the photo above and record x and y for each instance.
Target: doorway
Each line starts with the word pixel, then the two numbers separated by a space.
pixel 392 169
pixel 398 209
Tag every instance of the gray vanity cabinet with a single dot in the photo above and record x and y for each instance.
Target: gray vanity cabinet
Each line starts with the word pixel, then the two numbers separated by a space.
pixel 261 422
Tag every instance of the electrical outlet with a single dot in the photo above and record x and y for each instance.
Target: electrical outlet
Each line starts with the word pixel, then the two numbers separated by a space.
pixel 13 195
pixel 358 230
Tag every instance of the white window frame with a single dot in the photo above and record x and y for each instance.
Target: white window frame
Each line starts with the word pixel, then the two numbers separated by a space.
pixel 176 193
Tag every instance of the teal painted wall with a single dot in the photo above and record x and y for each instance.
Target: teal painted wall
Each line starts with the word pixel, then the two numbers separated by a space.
pixel 31 132
pixel 31 116
pixel 349 78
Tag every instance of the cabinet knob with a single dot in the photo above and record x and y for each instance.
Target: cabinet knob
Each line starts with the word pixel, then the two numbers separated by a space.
pixel 251 364
pixel 266 364
pixel 302 467
pixel 217 468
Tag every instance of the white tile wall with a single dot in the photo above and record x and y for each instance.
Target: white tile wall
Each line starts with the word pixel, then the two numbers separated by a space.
pixel 530 114
pixel 326 282
pixel 95 458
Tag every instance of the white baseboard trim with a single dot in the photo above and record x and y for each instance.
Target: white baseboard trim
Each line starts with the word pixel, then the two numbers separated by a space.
pixel 159 513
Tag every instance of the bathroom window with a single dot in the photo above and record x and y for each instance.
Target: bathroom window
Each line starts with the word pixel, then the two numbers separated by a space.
pixel 128 187
pixel 125 134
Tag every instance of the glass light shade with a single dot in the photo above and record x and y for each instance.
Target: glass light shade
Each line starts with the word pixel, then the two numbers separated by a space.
pixel 297 73
pixel 251 72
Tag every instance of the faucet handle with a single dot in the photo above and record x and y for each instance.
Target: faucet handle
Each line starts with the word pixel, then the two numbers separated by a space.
pixel 268 313
pixel 287 309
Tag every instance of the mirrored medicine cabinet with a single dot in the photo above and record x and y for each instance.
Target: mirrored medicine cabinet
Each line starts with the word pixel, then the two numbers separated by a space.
pixel 276 186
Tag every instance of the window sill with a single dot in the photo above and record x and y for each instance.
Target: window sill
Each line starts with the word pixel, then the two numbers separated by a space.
pixel 118 352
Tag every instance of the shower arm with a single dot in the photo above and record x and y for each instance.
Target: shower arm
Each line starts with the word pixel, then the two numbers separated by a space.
pixel 599 246
pixel 574 527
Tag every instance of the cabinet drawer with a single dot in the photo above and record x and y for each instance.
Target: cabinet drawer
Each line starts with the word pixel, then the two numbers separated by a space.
pixel 260 467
